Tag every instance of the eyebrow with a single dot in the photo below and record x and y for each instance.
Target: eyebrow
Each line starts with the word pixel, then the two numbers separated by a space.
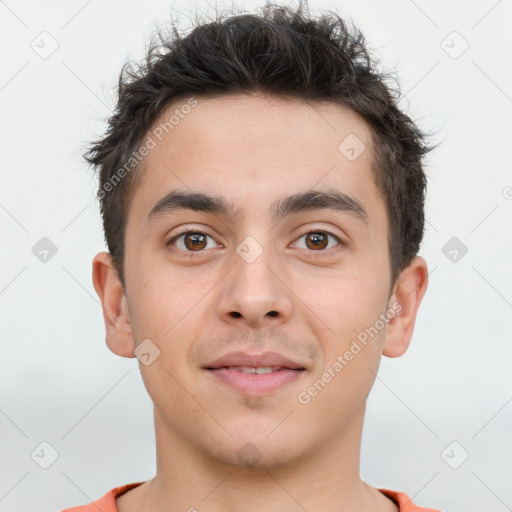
pixel 311 200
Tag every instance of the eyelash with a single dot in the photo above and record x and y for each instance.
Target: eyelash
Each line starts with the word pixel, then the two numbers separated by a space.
pixel 337 248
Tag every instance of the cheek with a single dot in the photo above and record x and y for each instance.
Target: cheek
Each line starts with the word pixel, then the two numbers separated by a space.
pixel 170 320
pixel 166 299
pixel 339 389
pixel 350 306
pixel 345 303
pixel 172 326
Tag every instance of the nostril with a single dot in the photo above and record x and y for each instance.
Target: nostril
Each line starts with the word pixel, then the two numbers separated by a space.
pixel 236 314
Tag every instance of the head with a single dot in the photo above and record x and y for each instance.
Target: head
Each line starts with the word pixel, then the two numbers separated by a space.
pixel 275 144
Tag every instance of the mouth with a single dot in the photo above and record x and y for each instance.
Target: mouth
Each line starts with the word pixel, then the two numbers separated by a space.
pixel 256 369
pixel 255 380
pixel 255 374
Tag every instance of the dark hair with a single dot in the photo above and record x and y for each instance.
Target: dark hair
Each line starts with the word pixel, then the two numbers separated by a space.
pixel 281 52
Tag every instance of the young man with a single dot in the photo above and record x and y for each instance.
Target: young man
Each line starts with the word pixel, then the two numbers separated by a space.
pixel 262 198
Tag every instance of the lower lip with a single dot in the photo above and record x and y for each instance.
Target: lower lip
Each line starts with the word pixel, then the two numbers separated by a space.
pixel 254 383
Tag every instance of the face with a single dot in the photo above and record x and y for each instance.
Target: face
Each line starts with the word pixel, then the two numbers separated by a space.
pixel 287 255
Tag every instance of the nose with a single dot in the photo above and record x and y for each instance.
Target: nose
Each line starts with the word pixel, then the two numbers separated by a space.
pixel 254 295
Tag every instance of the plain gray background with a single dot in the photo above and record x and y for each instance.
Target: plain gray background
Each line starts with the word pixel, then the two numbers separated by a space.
pixel 449 396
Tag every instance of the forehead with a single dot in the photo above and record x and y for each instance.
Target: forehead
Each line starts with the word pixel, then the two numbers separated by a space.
pixel 253 150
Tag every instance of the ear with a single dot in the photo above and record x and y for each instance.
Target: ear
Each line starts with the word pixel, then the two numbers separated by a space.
pixel 405 301
pixel 118 330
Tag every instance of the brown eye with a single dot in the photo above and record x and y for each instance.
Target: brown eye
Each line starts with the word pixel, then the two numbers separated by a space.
pixel 319 241
pixel 191 241
pixel 316 240
pixel 195 241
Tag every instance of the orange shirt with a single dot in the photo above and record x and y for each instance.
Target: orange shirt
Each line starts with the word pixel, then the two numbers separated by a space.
pixel 108 502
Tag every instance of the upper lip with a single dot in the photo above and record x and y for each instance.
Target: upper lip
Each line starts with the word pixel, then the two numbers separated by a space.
pixel 254 361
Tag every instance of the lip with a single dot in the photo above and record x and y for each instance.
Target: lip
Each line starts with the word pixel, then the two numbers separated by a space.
pixel 254 360
pixel 251 383
pixel 255 384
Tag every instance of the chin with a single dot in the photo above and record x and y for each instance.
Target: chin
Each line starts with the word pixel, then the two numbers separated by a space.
pixel 252 449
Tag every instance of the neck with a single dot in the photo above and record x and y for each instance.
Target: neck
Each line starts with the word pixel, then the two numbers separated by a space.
pixel 187 478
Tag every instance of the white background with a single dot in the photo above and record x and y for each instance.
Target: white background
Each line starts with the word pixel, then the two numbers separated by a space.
pixel 61 384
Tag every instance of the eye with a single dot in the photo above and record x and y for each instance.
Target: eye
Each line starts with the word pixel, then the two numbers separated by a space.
pixel 191 241
pixel 196 241
pixel 318 241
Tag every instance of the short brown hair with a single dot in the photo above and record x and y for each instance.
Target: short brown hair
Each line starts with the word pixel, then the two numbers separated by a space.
pixel 283 52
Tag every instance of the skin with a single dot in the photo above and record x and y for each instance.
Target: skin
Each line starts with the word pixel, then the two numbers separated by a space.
pixel 254 149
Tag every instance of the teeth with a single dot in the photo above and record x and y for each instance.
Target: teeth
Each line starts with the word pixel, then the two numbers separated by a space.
pixel 259 369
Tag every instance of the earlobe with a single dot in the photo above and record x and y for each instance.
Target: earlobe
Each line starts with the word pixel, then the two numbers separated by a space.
pixel 118 330
pixel 405 301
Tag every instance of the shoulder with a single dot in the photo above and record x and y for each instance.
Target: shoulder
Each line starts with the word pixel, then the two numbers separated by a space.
pixel 106 503
pixel 405 503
